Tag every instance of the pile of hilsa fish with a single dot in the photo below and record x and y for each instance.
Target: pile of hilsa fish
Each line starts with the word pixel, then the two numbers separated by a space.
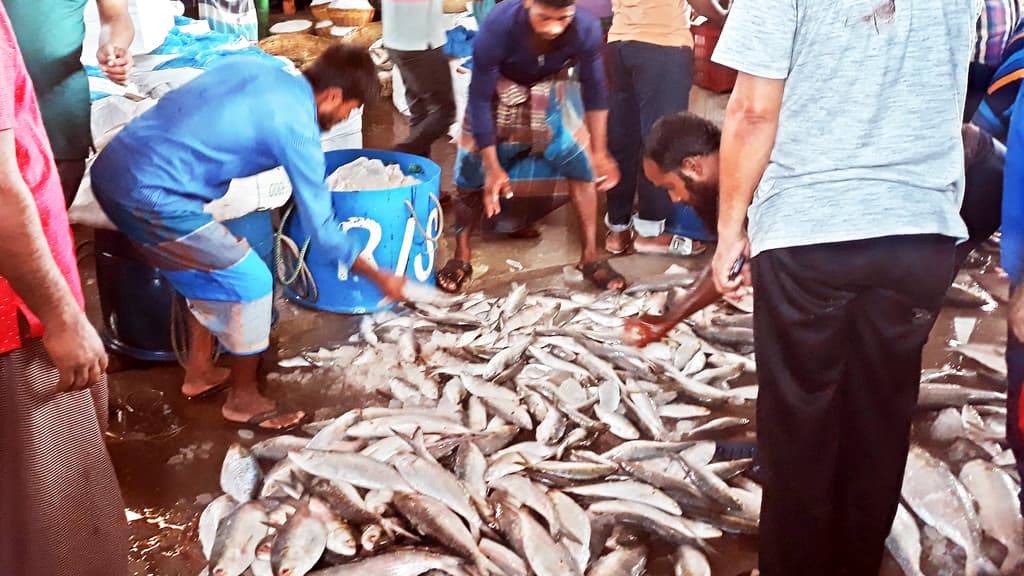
pixel 521 436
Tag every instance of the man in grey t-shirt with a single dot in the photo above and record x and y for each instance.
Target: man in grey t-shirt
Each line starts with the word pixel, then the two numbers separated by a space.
pixel 842 145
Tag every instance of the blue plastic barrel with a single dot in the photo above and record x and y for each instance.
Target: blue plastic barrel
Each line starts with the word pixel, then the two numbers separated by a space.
pixel 398 227
pixel 136 301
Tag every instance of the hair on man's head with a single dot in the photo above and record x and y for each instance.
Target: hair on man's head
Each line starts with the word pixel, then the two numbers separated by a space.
pixel 347 67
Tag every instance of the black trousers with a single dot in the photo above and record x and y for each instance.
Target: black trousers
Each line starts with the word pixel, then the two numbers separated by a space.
pixel 428 89
pixel 839 330
pixel 71 173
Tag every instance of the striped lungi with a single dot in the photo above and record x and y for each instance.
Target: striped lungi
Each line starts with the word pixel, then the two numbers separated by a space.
pixel 229 289
pixel 542 141
pixel 61 512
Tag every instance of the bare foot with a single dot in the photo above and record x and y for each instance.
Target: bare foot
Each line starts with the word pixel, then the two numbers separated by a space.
pixel 198 382
pixel 242 409
pixel 667 244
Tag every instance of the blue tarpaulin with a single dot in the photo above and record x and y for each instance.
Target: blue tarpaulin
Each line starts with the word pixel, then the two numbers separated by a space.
pixel 460 42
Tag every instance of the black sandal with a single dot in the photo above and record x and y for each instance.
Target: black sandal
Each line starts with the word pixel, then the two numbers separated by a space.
pixel 455 272
pixel 600 273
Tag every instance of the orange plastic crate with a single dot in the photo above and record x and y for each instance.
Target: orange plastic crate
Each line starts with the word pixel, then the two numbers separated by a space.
pixel 707 74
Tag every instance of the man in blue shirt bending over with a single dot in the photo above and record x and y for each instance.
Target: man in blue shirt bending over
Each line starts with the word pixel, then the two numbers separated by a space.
pixel 238 119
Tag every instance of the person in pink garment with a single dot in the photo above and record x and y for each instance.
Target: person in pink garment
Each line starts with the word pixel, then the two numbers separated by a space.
pixel 61 513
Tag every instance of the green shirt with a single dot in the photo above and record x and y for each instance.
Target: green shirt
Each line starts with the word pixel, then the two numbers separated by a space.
pixel 50 34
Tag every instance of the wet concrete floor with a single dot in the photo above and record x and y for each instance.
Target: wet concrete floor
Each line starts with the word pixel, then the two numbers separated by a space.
pixel 168 450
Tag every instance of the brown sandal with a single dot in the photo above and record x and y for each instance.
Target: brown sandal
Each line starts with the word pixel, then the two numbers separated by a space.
pixel 618 248
pixel 600 273
pixel 455 272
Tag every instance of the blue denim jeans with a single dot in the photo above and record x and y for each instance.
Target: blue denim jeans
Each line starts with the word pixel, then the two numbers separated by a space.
pixel 647 82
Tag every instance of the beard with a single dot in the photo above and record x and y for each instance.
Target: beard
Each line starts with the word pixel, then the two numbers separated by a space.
pixel 703 200
pixel 325 122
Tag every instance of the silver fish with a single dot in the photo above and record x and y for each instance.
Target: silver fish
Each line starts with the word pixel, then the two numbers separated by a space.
pixel 355 469
pixel 211 518
pixel 628 490
pixel 520 490
pixel 545 556
pixel 431 479
pixel 933 395
pixel 931 490
pixel 624 561
pixel 396 563
pixel 682 411
pixel 646 414
pixel 576 524
pixel 299 544
pixel 432 518
pixel 505 358
pixel 556 363
pixel 568 473
pixel 996 495
pixel 717 425
pixel 617 424
pixel 278 447
pixel 719 375
pixel 341 538
pixel 667 526
pixel 345 501
pixel 283 481
pixel 904 542
pixel 234 548
pixel 690 562
pixel 647 449
pixel 374 538
pixel 240 474
pixel 508 561
pixel 471 467
pixel 335 432
pixel 407 425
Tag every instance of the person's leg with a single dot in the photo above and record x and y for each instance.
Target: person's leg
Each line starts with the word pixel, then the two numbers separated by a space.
pixel 664 76
pixel 624 144
pixel 891 322
pixel 584 200
pixel 597 271
pixel 71 173
pixel 244 400
pixel 982 208
pixel 428 89
pixel 201 374
pixel 58 490
pixel 801 325
pixel 1015 380
pixel 468 210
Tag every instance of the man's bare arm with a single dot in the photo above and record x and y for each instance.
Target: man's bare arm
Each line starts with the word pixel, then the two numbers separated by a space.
pixel 28 266
pixel 25 259
pixel 710 9
pixel 748 137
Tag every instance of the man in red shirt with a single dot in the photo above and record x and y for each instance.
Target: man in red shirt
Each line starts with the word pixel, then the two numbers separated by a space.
pixel 61 512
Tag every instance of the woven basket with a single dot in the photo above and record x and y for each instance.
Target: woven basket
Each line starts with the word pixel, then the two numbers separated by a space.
pixel 301 49
pixel 307 29
pixel 365 36
pixel 323 31
pixel 454 6
pixel 342 16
